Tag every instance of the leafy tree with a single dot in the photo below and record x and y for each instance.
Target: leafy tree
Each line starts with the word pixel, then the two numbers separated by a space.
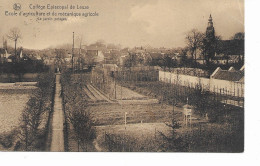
pixel 209 47
pixel 238 36
pixel 132 60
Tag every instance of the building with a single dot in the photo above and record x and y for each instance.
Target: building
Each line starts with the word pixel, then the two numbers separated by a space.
pixel 95 56
pixel 224 82
pixel 222 51
pixel 230 75
pixel 209 41
pixel 229 51
pixel 4 55
pixel 210 31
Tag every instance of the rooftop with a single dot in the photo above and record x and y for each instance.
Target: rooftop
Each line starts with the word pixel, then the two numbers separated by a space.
pixel 230 75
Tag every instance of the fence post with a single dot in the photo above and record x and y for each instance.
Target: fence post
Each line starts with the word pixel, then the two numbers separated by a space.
pixel 155 134
pixel 237 91
pixel 234 89
pixel 226 92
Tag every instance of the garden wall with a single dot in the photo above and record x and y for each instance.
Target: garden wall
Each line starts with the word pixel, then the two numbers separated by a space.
pixel 213 85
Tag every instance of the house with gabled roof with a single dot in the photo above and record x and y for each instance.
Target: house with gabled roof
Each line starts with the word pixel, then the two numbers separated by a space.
pixel 4 55
pixel 230 75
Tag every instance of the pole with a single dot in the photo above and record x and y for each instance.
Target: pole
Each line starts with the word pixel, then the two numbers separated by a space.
pixel 186 120
pixel 115 82
pixel 190 120
pixel 80 58
pixel 125 120
pixel 15 54
pixel 124 133
pixel 73 54
pixel 155 133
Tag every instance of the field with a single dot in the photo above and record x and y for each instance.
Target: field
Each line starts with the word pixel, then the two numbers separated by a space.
pixel 148 124
pixel 144 116
pixel 13 100
pixel 27 77
pixel 127 94
pixel 11 108
pixel 140 134
pixel 114 114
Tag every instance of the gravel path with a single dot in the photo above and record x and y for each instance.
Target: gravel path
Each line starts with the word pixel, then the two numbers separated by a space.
pixel 57 141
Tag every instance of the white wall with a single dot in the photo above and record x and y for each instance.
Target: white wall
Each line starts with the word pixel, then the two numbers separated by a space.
pixel 212 85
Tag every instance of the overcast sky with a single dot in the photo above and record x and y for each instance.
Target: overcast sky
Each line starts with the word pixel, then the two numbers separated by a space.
pixel 158 23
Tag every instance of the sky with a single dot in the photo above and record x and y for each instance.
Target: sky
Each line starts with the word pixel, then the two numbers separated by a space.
pixel 157 23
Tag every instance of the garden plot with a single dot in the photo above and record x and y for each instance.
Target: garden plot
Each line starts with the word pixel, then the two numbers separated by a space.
pixel 95 95
pixel 13 99
pixel 137 130
pixel 18 86
pixel 11 108
pixel 127 96
pixel 142 133
pixel 113 114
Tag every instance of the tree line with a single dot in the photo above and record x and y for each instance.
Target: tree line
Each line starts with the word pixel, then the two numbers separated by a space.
pixel 34 122
pixel 76 111
pixel 199 46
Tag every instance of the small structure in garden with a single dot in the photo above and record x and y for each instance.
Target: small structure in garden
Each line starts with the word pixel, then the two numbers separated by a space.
pixel 187 113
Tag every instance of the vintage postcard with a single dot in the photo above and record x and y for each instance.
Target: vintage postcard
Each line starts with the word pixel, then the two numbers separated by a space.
pixel 122 76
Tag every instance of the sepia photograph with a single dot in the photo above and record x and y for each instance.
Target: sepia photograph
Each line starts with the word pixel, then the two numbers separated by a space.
pixel 122 76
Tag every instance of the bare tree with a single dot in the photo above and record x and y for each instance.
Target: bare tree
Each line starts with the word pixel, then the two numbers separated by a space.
pixel 80 59
pixel 194 40
pixel 83 127
pixel 30 122
pixel 173 142
pixel 76 110
pixel 15 35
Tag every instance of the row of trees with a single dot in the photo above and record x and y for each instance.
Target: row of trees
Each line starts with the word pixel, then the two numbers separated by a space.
pixel 76 110
pixel 34 126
